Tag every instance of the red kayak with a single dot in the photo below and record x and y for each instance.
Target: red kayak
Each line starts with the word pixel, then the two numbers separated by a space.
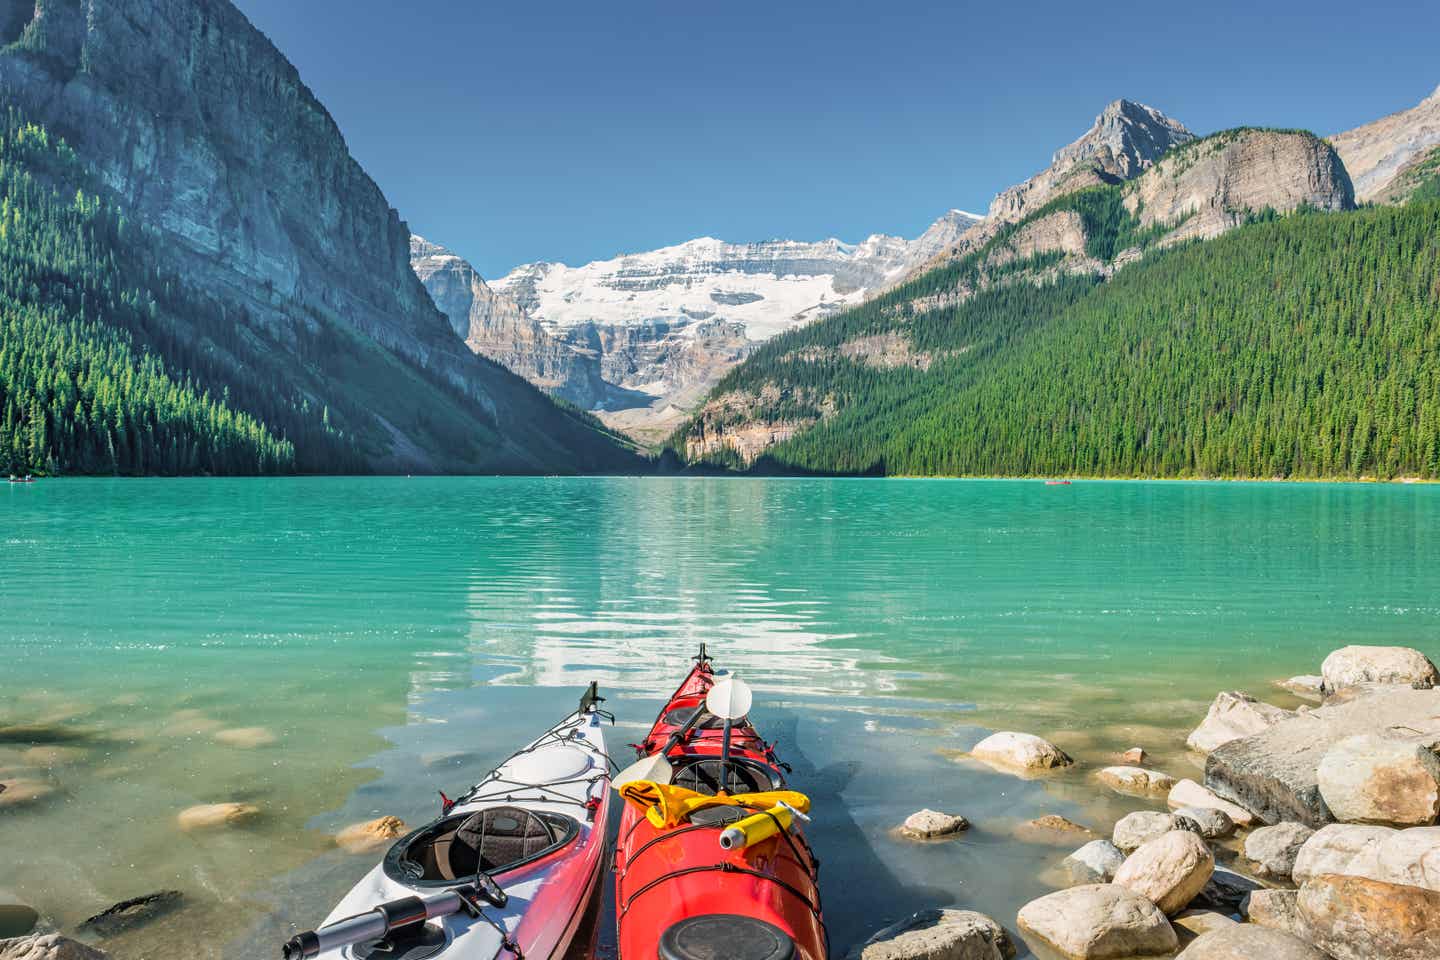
pixel 680 894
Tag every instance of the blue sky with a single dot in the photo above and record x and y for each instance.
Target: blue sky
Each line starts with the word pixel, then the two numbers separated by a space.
pixel 573 131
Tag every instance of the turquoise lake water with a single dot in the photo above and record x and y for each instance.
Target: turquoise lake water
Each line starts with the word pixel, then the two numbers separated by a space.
pixel 334 649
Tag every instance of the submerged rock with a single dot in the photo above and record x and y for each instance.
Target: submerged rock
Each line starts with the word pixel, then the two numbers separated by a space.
pixel 1134 829
pixel 1134 757
pixel 17 920
pixel 1355 918
pixel 209 815
pixel 1309 686
pixel 38 733
pixel 1373 778
pixel 1020 751
pixel 21 791
pixel 1232 716
pixel 1360 664
pixel 1248 942
pixel 1135 780
pixel 1096 862
pixel 132 913
pixel 1170 870
pixel 361 837
pixel 1098 922
pixel 1052 829
pixel 932 825
pixel 49 946
pixel 938 935
pixel 1188 793
pixel 1274 849
pixel 247 738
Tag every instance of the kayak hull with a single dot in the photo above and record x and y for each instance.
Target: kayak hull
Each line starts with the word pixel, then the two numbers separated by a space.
pixel 667 877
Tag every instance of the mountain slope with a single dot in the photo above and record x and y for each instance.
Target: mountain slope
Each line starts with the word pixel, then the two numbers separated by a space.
pixel 1378 153
pixel 193 126
pixel 664 325
pixel 1304 346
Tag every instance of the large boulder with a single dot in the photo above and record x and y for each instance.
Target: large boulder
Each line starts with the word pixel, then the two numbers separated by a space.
pixel 1355 918
pixel 1276 773
pixel 1022 752
pixel 1134 829
pixel 1374 778
pixel 1096 862
pixel 1273 849
pixel 1188 793
pixel 1098 922
pixel 1339 848
pixel 1170 870
pixel 938 935
pixel 1233 715
pixel 1358 664
pixel 49 946
pixel 1249 942
pixel 930 824
pixel 1135 780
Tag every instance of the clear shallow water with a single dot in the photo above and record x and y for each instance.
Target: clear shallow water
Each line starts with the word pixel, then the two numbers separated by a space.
pixel 392 637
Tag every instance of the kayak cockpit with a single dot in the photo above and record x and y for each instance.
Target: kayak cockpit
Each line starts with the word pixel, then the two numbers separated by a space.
pixel 707 775
pixel 492 840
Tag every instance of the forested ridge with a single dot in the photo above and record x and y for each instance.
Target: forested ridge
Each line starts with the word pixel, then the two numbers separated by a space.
pixel 1301 346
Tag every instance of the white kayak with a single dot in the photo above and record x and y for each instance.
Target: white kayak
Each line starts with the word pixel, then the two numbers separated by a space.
pixel 507 872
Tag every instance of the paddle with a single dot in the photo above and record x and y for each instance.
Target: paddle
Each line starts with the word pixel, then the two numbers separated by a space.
pixel 729 700
pixel 656 767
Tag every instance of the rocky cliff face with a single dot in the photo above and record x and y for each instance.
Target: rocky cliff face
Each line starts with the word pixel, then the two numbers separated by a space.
pixel 493 325
pixel 1212 185
pixel 1123 142
pixel 1377 153
pixel 204 131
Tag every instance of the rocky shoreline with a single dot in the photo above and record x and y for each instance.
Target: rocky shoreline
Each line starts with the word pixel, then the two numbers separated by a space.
pixel 1314 835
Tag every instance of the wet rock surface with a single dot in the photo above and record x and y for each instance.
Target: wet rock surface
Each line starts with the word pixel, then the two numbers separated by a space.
pixel 132 913
pixel 938 935
pixel 1098 922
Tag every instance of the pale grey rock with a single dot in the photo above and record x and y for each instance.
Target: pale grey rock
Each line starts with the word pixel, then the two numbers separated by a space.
pixel 1275 773
pixel 1377 152
pixel 1188 793
pixel 1309 685
pixel 1136 828
pixel 1098 922
pixel 1356 918
pixel 1212 185
pixel 1020 751
pixel 1277 909
pixel 1359 664
pixel 1170 870
pixel 1247 942
pixel 1341 848
pixel 938 935
pixel 49 946
pixel 1232 716
pixel 1387 779
pixel 1096 862
pixel 1208 822
pixel 1274 849
pixel 1135 780
pixel 931 824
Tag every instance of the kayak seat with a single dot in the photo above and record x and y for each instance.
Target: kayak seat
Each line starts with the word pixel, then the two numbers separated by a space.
pixel 707 774
pixel 681 716
pixel 491 840
pixel 495 838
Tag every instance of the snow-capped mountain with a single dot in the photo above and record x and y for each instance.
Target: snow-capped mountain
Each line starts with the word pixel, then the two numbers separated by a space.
pixel 641 337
